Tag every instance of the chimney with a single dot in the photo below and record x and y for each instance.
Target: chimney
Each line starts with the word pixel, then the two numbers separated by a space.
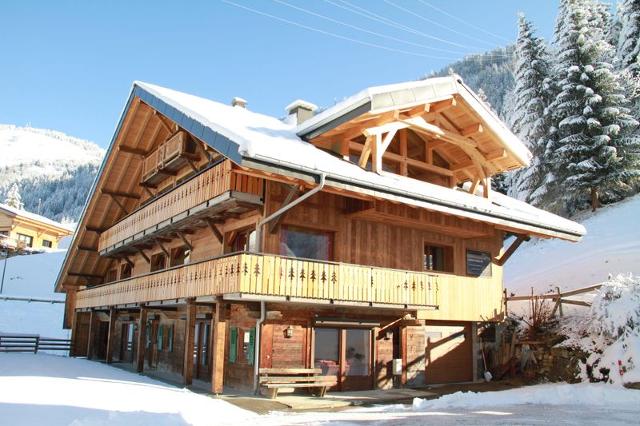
pixel 303 110
pixel 238 102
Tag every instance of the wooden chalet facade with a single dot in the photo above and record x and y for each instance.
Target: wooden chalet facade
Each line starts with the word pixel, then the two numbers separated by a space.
pixel 217 240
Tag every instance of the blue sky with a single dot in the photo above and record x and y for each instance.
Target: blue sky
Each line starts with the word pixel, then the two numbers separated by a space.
pixel 69 65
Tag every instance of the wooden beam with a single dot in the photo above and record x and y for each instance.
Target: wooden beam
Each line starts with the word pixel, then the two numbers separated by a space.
pixel 385 128
pixel 219 328
pixel 390 156
pixel 472 130
pixel 119 204
pixel 111 336
pixel 144 255
pixel 166 123
pixel 184 240
pixel 120 194
pixel 162 247
pixel 189 337
pixel 94 229
pixel 83 248
pixel 403 152
pixel 129 262
pixel 214 229
pixel 442 105
pixel 142 339
pixel 474 186
pixel 83 275
pixel 132 151
pixel 500 261
pixel 576 302
pixel 293 191
pixel 90 333
pixel 366 151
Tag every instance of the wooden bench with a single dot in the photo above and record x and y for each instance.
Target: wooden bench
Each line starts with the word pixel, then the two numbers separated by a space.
pixel 274 379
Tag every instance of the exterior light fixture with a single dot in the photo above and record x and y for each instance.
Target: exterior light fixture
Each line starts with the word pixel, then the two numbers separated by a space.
pixel 288 332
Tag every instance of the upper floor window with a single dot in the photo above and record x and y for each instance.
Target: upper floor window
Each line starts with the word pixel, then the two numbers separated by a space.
pixel 125 271
pixel 158 262
pixel 478 263
pixel 180 256
pixel 244 240
pixel 26 240
pixel 306 243
pixel 438 258
pixel 47 243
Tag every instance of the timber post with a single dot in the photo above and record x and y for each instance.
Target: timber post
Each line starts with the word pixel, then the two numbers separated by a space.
pixel 110 336
pixel 219 331
pixel 189 337
pixel 142 339
pixel 92 319
pixel 74 334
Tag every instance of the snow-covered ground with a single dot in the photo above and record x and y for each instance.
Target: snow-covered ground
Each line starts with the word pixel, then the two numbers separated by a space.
pixel 45 389
pixel 32 276
pixel 611 246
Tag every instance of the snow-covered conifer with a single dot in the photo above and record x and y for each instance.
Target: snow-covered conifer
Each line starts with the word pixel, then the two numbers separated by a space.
pixel 13 198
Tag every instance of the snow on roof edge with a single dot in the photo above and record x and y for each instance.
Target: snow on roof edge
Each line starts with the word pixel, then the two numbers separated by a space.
pixel 35 217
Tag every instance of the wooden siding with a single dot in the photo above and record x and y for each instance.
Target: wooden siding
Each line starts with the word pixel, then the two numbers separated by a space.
pixel 201 188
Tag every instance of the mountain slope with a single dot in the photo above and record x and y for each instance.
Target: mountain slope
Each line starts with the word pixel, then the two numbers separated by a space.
pixel 53 171
pixel 611 246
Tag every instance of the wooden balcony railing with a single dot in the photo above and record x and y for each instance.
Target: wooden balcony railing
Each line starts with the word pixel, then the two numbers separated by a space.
pixel 200 189
pixel 245 275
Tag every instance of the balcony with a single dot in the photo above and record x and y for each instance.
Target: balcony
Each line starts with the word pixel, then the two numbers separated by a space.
pixel 168 158
pixel 213 194
pixel 252 277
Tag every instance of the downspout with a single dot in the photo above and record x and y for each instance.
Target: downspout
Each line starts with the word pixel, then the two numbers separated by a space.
pixel 259 226
pixel 284 208
pixel 256 352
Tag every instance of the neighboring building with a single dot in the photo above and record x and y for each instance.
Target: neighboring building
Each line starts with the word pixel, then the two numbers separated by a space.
pixel 217 239
pixel 23 230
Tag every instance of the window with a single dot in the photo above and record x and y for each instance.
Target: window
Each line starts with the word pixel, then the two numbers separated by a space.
pixel 130 331
pixel 170 339
pixel 478 263
pixel 358 345
pixel 26 240
pixel 327 350
pixel 47 243
pixel 160 337
pixel 306 243
pixel 180 256
pixel 438 258
pixel 158 262
pixel 244 240
pixel 233 344
pixel 125 271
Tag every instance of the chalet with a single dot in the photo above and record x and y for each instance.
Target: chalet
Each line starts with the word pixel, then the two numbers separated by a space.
pixel 364 240
pixel 23 230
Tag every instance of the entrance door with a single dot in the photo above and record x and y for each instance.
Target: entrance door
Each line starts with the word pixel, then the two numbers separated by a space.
pixel 449 355
pixel 201 350
pixel 345 353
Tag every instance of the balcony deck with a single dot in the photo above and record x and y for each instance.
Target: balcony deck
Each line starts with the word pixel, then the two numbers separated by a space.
pixel 213 193
pixel 252 277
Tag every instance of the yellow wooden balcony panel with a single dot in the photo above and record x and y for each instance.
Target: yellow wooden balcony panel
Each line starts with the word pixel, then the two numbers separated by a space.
pixel 250 277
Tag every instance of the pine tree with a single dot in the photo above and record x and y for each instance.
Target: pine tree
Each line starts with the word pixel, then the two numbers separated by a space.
pixel 13 198
pixel 596 154
pixel 530 121
pixel 628 48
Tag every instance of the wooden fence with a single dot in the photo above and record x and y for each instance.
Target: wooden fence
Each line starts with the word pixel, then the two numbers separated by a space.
pixel 32 343
pixel 559 298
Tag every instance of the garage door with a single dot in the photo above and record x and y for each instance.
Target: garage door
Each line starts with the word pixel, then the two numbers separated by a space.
pixel 449 356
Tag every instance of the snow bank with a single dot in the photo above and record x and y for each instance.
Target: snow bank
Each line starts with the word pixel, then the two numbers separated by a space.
pixel 610 331
pixel 611 246
pixel 44 389
pixel 32 276
pixel 587 394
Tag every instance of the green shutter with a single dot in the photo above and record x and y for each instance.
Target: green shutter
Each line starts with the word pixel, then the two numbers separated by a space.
pixel 233 345
pixel 252 343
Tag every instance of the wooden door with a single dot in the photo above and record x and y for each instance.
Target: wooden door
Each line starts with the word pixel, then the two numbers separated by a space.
pixel 449 353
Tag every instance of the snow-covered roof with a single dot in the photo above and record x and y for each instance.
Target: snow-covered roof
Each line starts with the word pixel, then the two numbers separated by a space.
pixel 257 140
pixel 380 99
pixel 35 217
